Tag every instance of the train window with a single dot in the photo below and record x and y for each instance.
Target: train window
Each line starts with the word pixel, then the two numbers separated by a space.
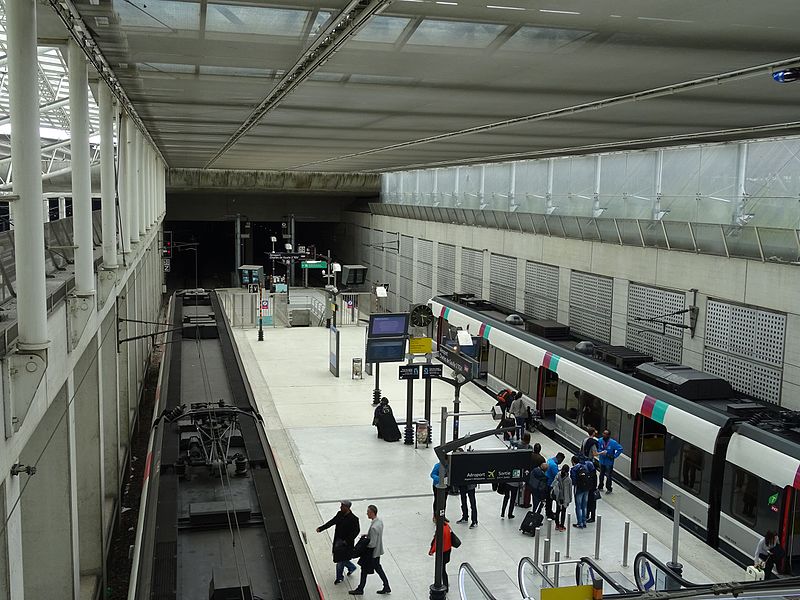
pixel 492 358
pixel 591 410
pixel 613 420
pixel 753 501
pixel 568 403
pixel 499 364
pixel 525 378
pixel 511 376
pixel 687 467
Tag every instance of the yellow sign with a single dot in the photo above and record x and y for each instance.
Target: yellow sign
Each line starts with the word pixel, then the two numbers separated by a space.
pixel 574 592
pixel 420 345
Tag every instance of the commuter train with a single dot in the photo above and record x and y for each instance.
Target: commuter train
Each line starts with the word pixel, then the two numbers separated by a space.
pixel 734 461
pixel 214 519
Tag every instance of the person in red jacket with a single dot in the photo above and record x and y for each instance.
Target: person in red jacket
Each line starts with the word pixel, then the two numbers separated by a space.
pixel 449 541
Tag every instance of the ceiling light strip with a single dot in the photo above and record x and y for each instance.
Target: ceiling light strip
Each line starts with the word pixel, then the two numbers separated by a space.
pixel 597 148
pixel 77 29
pixel 667 90
pixel 348 22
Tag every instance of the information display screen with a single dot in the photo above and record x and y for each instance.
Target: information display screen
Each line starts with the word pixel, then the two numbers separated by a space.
pixel 386 350
pixel 388 325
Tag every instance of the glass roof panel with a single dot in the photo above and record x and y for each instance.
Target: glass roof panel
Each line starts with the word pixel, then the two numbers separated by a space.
pixel 229 18
pixel 382 29
pixel 234 71
pixel 319 22
pixel 542 39
pixel 165 14
pixel 458 34
pixel 166 67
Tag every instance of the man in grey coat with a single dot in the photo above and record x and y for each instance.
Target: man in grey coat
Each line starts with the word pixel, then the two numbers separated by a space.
pixel 370 561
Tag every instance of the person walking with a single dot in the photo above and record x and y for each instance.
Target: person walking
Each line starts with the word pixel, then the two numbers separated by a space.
pixel 519 410
pixel 608 449
pixel 561 493
pixel 344 537
pixel 581 479
pixel 768 551
pixel 449 541
pixel 370 560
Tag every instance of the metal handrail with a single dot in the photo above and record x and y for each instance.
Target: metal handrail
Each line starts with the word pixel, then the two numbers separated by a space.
pixel 466 569
pixel 641 585
pixel 522 587
pixel 595 568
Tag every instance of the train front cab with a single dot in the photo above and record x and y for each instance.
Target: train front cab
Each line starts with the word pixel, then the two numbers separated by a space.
pixel 760 494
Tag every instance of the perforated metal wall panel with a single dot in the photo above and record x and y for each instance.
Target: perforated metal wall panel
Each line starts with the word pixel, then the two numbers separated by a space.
pixel 376 272
pixel 406 265
pixel 447 269
pixel 390 256
pixel 645 302
pixel 365 257
pixel 747 343
pixel 472 272
pixel 424 289
pixel 541 290
pixel 590 298
pixel 503 281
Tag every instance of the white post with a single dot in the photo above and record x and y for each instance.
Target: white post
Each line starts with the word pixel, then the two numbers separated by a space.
pixel 659 175
pixel 141 196
pixel 133 181
pixel 549 206
pixel 26 157
pixel 107 208
pixel 46 210
pixel 738 217
pixel 62 207
pixel 123 189
pixel 81 178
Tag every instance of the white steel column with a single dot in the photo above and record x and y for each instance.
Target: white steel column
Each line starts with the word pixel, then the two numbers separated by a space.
pixel 739 217
pixel 46 210
pixel 81 177
pixel 26 156
pixel 141 182
pixel 107 208
pixel 62 207
pixel 657 214
pixel 133 181
pixel 147 190
pixel 123 177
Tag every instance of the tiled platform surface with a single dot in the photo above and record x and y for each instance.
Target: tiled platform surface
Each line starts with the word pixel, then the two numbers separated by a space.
pixel 319 428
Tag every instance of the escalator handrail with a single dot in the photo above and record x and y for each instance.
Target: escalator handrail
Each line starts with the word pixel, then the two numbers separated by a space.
pixel 620 589
pixel 465 566
pixel 545 578
pixel 660 565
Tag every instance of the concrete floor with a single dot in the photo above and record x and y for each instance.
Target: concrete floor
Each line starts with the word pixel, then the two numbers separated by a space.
pixel 319 427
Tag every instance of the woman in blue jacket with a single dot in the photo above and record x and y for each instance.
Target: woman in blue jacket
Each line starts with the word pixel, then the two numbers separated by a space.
pixel 608 449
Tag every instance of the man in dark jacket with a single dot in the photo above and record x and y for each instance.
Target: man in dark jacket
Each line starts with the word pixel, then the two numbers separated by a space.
pixel 540 490
pixel 347 529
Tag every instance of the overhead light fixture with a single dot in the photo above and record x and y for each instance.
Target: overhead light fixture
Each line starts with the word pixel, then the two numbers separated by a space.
pixel 787 75
pixel 381 292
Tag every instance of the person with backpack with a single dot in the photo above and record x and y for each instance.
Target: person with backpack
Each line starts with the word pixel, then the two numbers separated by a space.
pixel 581 476
pixel 561 493
pixel 553 466
pixel 540 489
pixel 608 450
pixel 589 445
pixel 449 541
pixel 594 494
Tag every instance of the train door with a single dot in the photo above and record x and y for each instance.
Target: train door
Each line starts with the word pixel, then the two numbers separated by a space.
pixel 546 394
pixel 789 531
pixel 648 452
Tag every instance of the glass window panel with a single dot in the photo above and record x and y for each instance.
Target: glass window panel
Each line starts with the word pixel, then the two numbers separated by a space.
pixel 511 374
pixel 499 364
pixel 542 39
pixel 591 408
pixel 455 34
pixel 687 467
pixel 744 494
pixel 164 15
pixel 382 29
pixel 166 68
pixel 613 420
pixel 525 378
pixel 230 18
pixel 568 402
pixel 492 358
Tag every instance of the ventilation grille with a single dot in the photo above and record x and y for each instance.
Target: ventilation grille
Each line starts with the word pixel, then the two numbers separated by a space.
pixel 472 272
pixel 590 305
pixel 446 269
pixel 424 289
pixel 541 291
pixel 645 336
pixel 406 290
pixel 503 281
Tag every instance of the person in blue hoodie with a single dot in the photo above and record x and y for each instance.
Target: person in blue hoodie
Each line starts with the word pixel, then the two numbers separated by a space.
pixel 439 471
pixel 553 465
pixel 608 449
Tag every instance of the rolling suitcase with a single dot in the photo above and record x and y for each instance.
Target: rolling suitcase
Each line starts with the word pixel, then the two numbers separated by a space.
pixel 531 521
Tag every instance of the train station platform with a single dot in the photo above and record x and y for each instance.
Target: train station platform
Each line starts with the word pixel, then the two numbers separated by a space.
pixel 320 430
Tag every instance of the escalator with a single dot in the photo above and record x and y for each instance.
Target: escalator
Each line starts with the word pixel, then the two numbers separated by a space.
pixel 587 571
pixel 653 575
pixel 470 585
pixel 532 579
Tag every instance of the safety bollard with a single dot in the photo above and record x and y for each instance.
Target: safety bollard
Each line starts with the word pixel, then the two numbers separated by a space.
pixel 546 554
pixel 536 546
pixel 625 540
pixel 598 525
pixel 549 529
pixel 569 533
pixel 556 572
pixel 644 541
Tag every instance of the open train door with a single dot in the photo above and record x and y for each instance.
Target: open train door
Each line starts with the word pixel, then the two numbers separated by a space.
pixel 788 503
pixel 647 460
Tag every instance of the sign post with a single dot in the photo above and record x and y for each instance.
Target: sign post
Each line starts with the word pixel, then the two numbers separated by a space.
pixel 260 313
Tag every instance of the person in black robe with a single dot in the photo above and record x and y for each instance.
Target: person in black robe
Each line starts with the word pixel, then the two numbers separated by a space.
pixel 384 421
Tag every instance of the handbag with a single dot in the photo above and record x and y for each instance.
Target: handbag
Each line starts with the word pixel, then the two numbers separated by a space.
pixel 361 547
pixel 455 541
pixel 597 495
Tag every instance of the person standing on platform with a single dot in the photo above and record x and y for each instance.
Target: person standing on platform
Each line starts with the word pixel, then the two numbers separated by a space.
pixel 608 449
pixel 519 411
pixel 561 492
pixel 540 490
pixel 449 541
pixel 467 491
pixel 594 494
pixel 553 465
pixel 581 479
pixel 768 551
pixel 439 472
pixel 344 537
pixel 370 561
pixel 589 445
pixel 524 492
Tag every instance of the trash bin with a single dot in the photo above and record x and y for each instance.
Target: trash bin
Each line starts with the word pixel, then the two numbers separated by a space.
pixel 357 372
pixel 421 433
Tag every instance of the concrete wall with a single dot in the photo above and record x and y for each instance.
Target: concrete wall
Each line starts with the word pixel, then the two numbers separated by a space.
pixel 769 286
pixel 77 434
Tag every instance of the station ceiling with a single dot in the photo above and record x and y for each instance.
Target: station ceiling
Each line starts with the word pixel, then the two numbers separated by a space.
pixel 442 82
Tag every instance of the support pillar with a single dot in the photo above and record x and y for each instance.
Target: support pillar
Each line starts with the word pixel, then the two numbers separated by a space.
pixel 107 177
pixel 141 183
pixel 133 181
pixel 123 193
pixel 62 207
